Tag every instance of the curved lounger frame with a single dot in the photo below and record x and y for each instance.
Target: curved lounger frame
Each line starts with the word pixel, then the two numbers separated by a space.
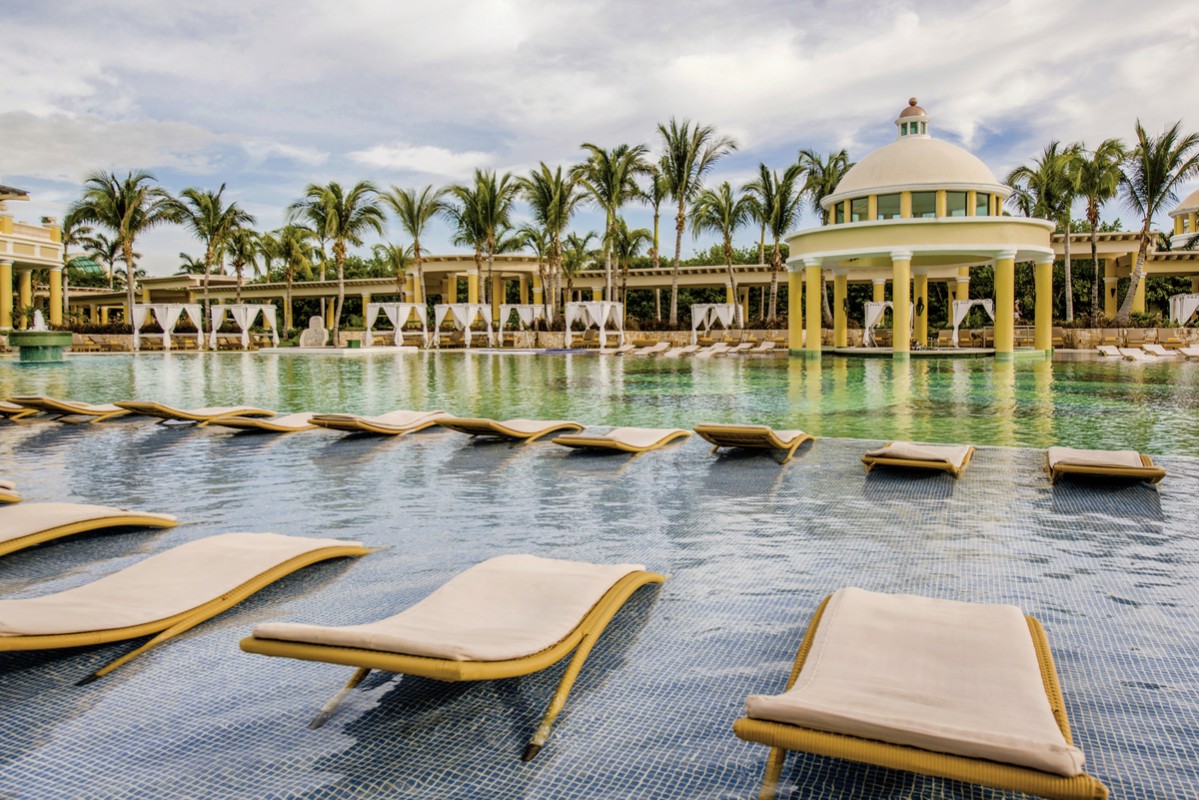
pixel 62 410
pixel 130 519
pixel 170 413
pixel 475 426
pixel 258 424
pixel 754 437
pixel 917 463
pixel 585 442
pixel 170 627
pixel 580 640
pixel 352 424
pixel 781 737
pixel 9 495
pixel 1146 472
pixel 14 411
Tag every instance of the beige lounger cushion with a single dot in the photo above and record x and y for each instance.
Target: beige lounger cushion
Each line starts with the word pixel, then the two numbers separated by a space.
pixel 57 406
pixel 392 419
pixel 8 485
pixel 950 454
pixel 158 587
pixel 152 409
pixel 1094 458
pixel 288 422
pixel 521 427
pixel 33 518
pixel 941 675
pixel 504 608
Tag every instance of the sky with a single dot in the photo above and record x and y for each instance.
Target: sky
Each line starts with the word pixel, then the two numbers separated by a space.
pixel 268 96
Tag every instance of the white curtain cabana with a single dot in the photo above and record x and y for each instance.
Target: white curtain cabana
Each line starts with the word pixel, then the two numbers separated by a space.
pixel 461 316
pixel 526 314
pixel 1183 306
pixel 962 307
pixel 244 315
pixel 873 316
pixel 400 314
pixel 706 315
pixel 167 316
pixel 600 314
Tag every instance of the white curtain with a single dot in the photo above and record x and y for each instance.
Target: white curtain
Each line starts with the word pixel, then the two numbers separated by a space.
pixel 874 314
pixel 218 316
pixel 462 315
pixel 196 313
pixel 244 315
pixel 526 314
pixel 962 307
pixel 140 313
pixel 268 318
pixel 167 316
pixel 705 315
pixel 598 314
pixel 372 314
pixel 1182 306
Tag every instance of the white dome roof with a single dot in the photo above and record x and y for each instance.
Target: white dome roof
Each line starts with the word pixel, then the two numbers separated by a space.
pixel 1189 203
pixel 912 163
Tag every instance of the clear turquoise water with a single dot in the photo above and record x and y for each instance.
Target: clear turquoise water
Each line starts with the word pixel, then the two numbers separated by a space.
pixel 1152 407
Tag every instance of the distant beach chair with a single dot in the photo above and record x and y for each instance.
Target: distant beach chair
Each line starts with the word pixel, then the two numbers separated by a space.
pixel 626 440
pixel 1134 354
pixel 8 492
pixel 964 691
pixel 14 412
pixel 765 346
pixel 938 457
pixel 620 351
pixel 716 349
pixel 1108 350
pixel 1058 337
pixel 1134 337
pixel 1111 336
pixel 1158 351
pixel 945 338
pixel 149 408
pixel 652 350
pixel 1101 463
pixel 34 523
pixel 393 423
pixel 70 410
pixel 1172 342
pixel 754 437
pixel 507 616
pixel 290 423
pixel 524 430
pixel 681 352
pixel 1190 352
pixel 166 594
pixel 742 347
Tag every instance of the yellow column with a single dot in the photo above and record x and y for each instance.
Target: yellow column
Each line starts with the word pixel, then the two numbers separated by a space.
pixel 1194 218
pixel 812 279
pixel 597 294
pixel 872 207
pixel 497 295
pixel 840 303
pixel 56 296
pixel 795 310
pixel 472 287
pixel 729 297
pixel 1138 299
pixel 451 289
pixel 963 288
pixel 1005 303
pixel 1178 225
pixel 1043 319
pixel 941 204
pixel 920 285
pixel 409 294
pixel 846 206
pixel 25 293
pixel 1194 288
pixel 145 293
pixel 537 294
pixel 524 289
pixel 1109 288
pixel 971 202
pixel 880 290
pixel 905 205
pixel 901 298
pixel 104 315
pixel 6 307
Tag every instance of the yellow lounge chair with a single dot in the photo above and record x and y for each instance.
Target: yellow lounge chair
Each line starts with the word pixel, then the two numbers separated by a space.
pixel 756 437
pixel 8 492
pixel 1130 464
pixel 290 423
pixel 13 411
pixel 900 728
pixel 940 457
pixel 207 414
pixel 626 440
pixel 34 523
pixel 533 611
pixel 166 594
pixel 69 409
pixel 524 430
pixel 393 423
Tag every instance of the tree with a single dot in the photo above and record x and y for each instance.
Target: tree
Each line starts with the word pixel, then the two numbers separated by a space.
pixel 413 211
pixel 821 176
pixel 608 178
pixel 626 245
pixel 189 265
pixel 484 215
pixel 777 199
pixel 654 195
pixel 722 212
pixel 397 258
pixel 535 238
pixel 553 198
pixel 1096 175
pixel 73 234
pixel 575 258
pixel 689 154
pixel 347 216
pixel 107 251
pixel 293 246
pixel 207 216
pixel 1044 189
pixel 128 207
pixel 243 248
pixel 1155 170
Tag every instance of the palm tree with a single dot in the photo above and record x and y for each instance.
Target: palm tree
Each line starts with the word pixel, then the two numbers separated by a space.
pixel 536 238
pixel 348 215
pixel 575 258
pixel 205 214
pixel 1044 189
pixel 654 195
pixel 1096 175
pixel 608 178
pixel 106 251
pixel 128 207
pixel 73 234
pixel 413 211
pixel 626 245
pixel 190 265
pixel 821 176
pixel 721 212
pixel 778 198
pixel 292 245
pixel 397 258
pixel 484 215
pixel 553 199
pixel 243 247
pixel 1156 168
pixel 689 154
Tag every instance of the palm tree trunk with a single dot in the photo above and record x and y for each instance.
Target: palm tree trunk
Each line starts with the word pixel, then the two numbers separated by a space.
pixel 762 246
pixel 287 309
pixel 239 270
pixel 1125 312
pixel 680 222
pixel 208 256
pixel 339 255
pixel 728 265
pixel 775 263
pixel 127 247
pixel 1095 283
pixel 1069 280
pixel 826 310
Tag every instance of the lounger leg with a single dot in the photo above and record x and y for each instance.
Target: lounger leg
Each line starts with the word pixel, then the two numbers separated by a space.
pixel 791 452
pixel 176 629
pixel 715 448
pixel 774 768
pixel 559 699
pixel 333 702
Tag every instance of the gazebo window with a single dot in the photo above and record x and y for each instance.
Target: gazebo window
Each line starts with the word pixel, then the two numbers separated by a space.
pixel 982 205
pixel 840 216
pixel 859 209
pixel 888 206
pixel 955 204
pixel 924 205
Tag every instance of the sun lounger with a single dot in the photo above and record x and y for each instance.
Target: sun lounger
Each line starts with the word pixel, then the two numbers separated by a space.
pixel 393 423
pixel 651 350
pixel 620 351
pixel 1108 350
pixel 940 457
pixel 765 346
pixel 70 409
pixel 681 352
pixel 956 690
pixel 1134 354
pixel 524 430
pixel 718 349
pixel 1158 351
pixel 289 423
pixel 33 523
pixel 166 594
pixel 757 437
pixel 507 616
pixel 8 492
pixel 742 347
pixel 207 414
pixel 626 440
pixel 1101 463
pixel 13 411
pixel 1190 352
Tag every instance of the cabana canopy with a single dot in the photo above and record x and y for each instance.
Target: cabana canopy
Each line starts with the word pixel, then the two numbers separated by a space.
pixel 526 314
pixel 244 314
pixel 461 316
pixel 962 307
pixel 600 314
pixel 400 315
pixel 706 315
pixel 1183 307
pixel 167 315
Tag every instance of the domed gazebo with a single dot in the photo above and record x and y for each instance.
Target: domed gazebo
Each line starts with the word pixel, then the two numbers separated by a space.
pixel 1186 221
pixel 915 210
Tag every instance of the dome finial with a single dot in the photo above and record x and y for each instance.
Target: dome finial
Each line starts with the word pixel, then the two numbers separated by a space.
pixel 912 101
pixel 913 120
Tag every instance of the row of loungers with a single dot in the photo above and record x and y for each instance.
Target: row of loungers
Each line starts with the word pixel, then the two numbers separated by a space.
pixel 665 350
pixel 1147 352
pixel 958 690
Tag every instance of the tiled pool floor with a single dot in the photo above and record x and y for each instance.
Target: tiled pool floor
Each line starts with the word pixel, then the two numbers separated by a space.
pixel 751 546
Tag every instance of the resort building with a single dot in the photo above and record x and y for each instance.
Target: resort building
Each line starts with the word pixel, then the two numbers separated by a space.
pixel 1186 223
pixel 23 249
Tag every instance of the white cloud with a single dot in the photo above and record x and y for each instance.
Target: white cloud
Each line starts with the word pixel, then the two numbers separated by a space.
pixel 425 159
pixel 260 150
